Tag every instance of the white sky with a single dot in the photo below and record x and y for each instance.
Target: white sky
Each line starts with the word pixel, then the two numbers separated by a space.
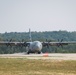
pixel 39 15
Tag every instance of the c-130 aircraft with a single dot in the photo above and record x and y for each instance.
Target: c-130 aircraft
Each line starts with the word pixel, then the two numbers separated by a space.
pixel 35 46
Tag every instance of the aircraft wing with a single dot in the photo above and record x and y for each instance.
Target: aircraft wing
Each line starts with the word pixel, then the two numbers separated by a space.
pixel 43 43
pixel 57 43
pixel 14 43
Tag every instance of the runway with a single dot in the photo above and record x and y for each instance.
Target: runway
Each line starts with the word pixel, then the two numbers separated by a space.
pixel 50 56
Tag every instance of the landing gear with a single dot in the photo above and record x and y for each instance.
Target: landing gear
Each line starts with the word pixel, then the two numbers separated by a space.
pixel 39 52
pixel 28 52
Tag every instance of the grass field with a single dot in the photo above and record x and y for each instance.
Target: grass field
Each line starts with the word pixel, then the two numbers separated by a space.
pixel 23 66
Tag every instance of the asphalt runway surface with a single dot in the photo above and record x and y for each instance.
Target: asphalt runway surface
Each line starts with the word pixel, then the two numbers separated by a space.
pixel 55 56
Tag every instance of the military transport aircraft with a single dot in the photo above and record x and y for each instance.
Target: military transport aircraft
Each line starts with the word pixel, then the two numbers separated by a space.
pixel 35 46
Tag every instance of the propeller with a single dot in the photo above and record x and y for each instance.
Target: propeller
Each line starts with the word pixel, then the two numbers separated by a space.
pixel 60 43
pixel 47 43
pixel 23 43
pixel 8 42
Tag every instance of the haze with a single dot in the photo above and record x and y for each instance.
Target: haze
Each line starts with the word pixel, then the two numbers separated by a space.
pixel 39 15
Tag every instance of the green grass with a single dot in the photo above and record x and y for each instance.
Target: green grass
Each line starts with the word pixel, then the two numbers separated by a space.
pixel 22 66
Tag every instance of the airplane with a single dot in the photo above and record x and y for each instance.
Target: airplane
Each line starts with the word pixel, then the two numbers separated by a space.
pixel 35 46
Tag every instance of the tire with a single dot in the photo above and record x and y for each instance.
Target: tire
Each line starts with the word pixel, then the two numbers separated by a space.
pixel 39 52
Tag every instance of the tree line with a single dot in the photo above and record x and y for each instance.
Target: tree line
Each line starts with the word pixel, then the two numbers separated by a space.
pixel 41 36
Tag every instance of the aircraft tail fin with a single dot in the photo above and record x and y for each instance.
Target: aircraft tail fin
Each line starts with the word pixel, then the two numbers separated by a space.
pixel 30 35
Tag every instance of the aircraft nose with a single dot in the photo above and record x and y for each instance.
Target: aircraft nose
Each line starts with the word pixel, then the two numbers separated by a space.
pixel 38 47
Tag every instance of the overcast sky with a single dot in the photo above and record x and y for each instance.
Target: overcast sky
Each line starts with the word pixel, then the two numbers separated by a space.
pixel 39 15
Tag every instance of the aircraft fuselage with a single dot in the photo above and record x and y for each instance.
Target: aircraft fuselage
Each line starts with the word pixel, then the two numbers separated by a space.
pixel 35 47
